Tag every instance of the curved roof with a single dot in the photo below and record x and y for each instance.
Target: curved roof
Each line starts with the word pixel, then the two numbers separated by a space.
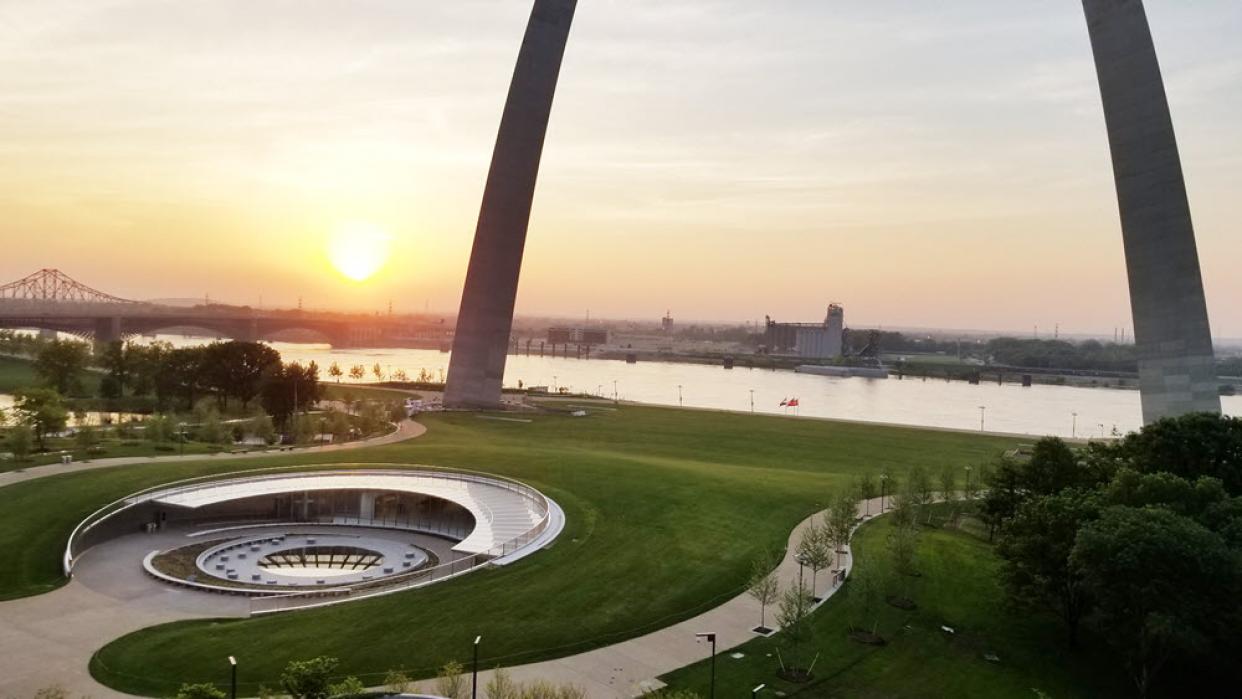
pixel 502 510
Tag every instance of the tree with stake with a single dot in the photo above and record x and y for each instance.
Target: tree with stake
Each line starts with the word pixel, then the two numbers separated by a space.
pixel 839 523
pixel 334 370
pixel 867 490
pixel 357 371
pixel 948 490
pixel 764 587
pixel 903 543
pixel 922 490
pixel 791 615
pixel 866 592
pixel 815 551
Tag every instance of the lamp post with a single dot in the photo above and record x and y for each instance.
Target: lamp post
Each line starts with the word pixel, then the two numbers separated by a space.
pixel 679 403
pixel 982 410
pixel 1074 426
pixel 181 434
pixel 755 692
pixel 711 637
pixel 474 674
pixel 614 390
pixel 752 400
pixel 233 672
pixel 554 383
pixel 883 486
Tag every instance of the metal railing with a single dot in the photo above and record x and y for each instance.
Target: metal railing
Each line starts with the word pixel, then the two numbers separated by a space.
pixel 72 547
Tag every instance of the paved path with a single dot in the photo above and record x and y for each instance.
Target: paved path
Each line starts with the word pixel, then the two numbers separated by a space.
pixel 49 639
pixel 629 669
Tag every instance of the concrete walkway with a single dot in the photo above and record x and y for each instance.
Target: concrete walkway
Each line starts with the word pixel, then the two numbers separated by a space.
pixel 49 639
pixel 629 669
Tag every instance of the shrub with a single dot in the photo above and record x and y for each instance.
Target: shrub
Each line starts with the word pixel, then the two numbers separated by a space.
pixel 200 691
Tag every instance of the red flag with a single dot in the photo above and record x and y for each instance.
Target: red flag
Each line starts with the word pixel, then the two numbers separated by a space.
pixel 793 403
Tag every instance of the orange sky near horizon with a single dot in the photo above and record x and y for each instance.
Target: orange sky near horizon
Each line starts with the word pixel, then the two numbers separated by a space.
pixel 927 167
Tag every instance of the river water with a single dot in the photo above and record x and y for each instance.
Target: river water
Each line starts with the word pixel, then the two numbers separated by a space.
pixel 1037 410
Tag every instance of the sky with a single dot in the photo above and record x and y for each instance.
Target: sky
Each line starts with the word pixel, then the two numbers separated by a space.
pixel 924 164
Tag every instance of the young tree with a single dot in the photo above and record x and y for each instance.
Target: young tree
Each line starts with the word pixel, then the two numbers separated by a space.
pixel 948 489
pixel 502 686
pixel 212 430
pixel 378 371
pixel 261 427
pixel 764 586
pixel 1036 549
pixel 921 490
pixel 400 375
pixel 85 439
pixel 43 411
pixel 794 608
pixel 865 593
pixel 868 490
pixel 903 544
pixel 971 489
pixel 839 523
pixel 357 371
pixel 889 485
pixel 308 679
pixel 397 682
pixel 450 683
pixel 815 551
pixel 115 361
pixel 159 428
pixel 21 438
pixel 347 688
pixel 334 370
pixel 200 691
pixel 60 364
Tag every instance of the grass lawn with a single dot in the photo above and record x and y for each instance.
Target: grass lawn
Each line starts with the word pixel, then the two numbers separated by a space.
pixel 666 509
pixel 957 588
pixel 16 374
pixel 338 391
pixel 108 448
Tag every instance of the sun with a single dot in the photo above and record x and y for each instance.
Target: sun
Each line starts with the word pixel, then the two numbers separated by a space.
pixel 358 249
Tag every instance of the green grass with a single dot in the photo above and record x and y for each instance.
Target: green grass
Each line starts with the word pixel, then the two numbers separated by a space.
pixel 666 510
pixel 958 588
pixel 16 374
pixel 338 391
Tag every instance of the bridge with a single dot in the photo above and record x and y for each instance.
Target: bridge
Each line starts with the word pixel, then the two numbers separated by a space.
pixel 50 300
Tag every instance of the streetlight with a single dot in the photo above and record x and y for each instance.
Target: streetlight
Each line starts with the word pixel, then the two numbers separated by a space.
pixel 752 409
pixel 982 410
pixel 755 692
pixel 1101 430
pixel 679 403
pixel 233 665
pixel 883 483
pixel 614 390
pixel 599 390
pixel 474 680
pixel 711 637
pixel 1074 426
pixel 181 434
pixel 554 383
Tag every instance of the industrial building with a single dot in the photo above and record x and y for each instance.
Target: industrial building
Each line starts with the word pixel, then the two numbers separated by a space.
pixel 808 340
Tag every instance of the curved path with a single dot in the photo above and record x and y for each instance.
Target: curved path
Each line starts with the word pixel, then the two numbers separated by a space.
pixel 49 639
pixel 629 669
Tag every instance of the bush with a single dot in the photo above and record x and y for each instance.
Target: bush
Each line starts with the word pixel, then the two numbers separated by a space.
pixel 348 687
pixel 200 691
pixel 308 679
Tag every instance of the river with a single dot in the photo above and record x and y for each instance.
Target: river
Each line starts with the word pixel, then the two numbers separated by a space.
pixel 1037 410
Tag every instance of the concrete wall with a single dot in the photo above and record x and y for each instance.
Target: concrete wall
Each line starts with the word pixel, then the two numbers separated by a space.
pixel 1171 331
pixel 477 365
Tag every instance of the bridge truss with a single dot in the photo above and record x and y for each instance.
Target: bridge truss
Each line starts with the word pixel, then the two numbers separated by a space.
pixel 54 285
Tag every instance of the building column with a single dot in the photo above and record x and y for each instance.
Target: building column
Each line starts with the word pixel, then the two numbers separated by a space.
pixel 1177 369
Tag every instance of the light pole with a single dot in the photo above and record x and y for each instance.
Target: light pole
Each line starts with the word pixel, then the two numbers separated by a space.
pixel 474 674
pixel 679 403
pixel 233 672
pixel 181 434
pixel 599 390
pixel 883 485
pixel 1101 430
pixel 755 692
pixel 1074 426
pixel 614 390
pixel 554 383
pixel 752 402
pixel 982 410
pixel 711 637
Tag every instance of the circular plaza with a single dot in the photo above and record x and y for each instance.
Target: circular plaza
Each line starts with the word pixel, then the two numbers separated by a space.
pixel 290 540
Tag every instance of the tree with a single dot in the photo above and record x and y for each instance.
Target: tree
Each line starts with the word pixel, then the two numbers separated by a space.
pixel 1164 585
pixel 921 490
pixel 450 683
pixel 815 551
pixel 334 370
pixel 20 441
pixel 502 686
pixel 43 411
pixel 868 490
pixel 60 364
pixel 1036 549
pixel 948 489
pixel 308 679
pixel 1199 444
pixel 865 592
pixel 839 523
pixel 212 430
pixel 200 691
pixel 402 376
pixel 85 439
pixel 262 428
pixel 115 361
pixel 795 606
pixel 357 371
pixel 290 388
pixel 378 371
pixel 764 586
pixel 349 687
pixel 237 369
pixel 159 428
pixel 903 545
pixel 1004 494
pixel 971 489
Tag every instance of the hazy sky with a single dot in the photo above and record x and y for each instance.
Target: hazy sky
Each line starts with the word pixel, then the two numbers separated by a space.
pixel 923 163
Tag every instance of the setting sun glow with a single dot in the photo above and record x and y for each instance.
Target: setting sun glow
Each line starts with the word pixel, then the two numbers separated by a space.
pixel 358 249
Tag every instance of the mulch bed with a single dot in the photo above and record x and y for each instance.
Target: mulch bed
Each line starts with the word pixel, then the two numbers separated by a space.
pixel 902 603
pixel 867 638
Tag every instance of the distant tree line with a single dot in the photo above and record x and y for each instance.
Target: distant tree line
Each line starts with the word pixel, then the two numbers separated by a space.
pixel 1140 541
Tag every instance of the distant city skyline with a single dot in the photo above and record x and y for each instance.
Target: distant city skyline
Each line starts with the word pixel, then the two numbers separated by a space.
pixel 926 167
